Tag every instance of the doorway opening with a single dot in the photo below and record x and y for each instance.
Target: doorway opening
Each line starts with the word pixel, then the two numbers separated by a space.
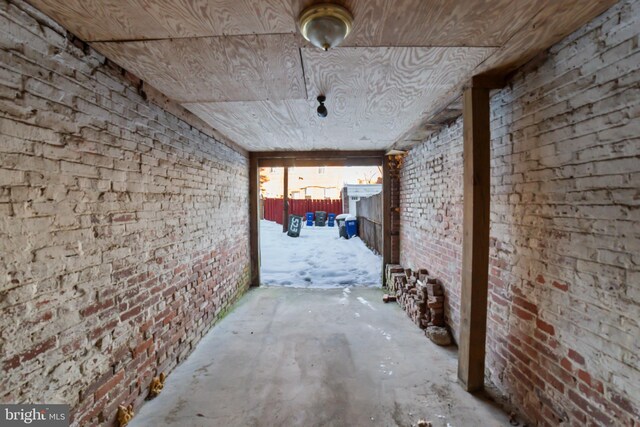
pixel 320 226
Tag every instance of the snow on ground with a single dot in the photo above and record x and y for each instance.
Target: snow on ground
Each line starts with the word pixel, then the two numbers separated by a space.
pixel 319 258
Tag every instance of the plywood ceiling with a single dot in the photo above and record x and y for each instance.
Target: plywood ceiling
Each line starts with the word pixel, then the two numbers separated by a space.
pixel 241 66
pixel 97 20
pixel 373 95
pixel 455 23
pixel 237 68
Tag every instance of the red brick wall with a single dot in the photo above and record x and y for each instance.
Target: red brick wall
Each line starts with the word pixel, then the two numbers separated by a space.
pixel 564 276
pixel 431 213
pixel 123 233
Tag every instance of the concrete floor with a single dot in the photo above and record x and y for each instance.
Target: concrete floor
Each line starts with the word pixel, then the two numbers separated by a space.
pixel 316 357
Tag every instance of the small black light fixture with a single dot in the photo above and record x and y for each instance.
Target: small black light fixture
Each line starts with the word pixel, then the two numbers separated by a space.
pixel 322 110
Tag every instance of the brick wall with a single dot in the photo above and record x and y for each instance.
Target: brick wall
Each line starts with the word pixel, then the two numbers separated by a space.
pixel 431 213
pixel 564 276
pixel 122 227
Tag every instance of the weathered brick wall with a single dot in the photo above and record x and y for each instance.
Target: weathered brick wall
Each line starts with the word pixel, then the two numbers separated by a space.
pixel 431 213
pixel 123 229
pixel 565 218
pixel 565 227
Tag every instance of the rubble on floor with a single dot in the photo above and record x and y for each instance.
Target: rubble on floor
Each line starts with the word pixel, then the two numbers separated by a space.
pixel 439 335
pixel 422 298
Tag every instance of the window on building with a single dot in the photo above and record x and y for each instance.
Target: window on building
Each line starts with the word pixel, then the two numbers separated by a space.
pixel 321 170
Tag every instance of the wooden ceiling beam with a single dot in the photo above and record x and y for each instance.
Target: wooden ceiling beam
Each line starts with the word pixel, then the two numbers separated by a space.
pixel 318 158
pixel 320 154
pixel 487 81
pixel 273 163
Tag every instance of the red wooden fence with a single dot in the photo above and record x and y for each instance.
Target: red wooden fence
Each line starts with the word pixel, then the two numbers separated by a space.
pixel 273 207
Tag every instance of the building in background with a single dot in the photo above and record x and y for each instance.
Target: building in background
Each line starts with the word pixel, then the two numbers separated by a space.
pixel 315 192
pixel 316 182
pixel 352 193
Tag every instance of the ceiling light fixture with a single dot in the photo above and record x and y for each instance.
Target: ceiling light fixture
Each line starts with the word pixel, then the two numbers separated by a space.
pixel 322 110
pixel 325 25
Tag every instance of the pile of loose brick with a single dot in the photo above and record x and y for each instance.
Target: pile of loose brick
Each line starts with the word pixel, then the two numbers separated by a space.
pixel 422 298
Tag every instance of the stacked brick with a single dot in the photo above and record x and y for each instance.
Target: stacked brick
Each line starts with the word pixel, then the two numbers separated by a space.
pixel 421 296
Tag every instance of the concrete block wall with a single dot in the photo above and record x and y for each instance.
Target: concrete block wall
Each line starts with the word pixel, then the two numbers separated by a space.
pixel 123 229
pixel 565 218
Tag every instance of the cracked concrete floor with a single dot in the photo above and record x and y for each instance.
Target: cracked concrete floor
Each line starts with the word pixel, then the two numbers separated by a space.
pixel 316 357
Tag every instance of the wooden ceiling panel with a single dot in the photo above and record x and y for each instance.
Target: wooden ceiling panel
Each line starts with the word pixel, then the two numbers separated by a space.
pixel 256 122
pixel 109 20
pixel 373 96
pixel 241 65
pixel 556 20
pixel 386 87
pixel 188 18
pixel 205 69
pixel 456 23
pixel 376 22
pixel 286 125
pixel 102 20
pixel 483 23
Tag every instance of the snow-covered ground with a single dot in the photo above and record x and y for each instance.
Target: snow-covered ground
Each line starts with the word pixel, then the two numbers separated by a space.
pixel 316 259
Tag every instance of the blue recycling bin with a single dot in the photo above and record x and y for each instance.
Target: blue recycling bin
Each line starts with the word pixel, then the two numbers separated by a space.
pixel 352 227
pixel 331 220
pixel 309 219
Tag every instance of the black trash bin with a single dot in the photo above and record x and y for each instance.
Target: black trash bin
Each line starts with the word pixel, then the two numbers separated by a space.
pixel 321 218
pixel 295 225
pixel 342 226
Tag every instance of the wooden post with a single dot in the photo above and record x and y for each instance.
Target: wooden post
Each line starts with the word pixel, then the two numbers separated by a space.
pixel 254 232
pixel 475 241
pixel 386 215
pixel 285 203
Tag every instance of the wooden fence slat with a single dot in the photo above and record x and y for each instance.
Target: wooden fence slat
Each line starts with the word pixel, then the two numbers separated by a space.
pixel 273 207
pixel 370 221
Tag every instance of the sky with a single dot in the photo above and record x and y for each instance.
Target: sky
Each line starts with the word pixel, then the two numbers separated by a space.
pixel 334 177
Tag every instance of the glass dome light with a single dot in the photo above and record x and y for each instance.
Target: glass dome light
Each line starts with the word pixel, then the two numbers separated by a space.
pixel 325 25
